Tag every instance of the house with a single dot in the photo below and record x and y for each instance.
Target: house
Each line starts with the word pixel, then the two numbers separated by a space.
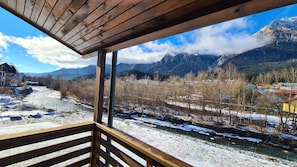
pixel 290 105
pixel 7 74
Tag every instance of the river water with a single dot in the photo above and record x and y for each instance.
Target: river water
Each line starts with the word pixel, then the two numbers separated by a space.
pixel 43 97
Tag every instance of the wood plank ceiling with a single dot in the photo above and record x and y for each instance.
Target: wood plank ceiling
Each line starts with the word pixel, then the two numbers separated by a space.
pixel 87 26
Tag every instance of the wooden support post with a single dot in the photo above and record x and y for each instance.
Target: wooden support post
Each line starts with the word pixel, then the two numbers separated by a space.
pixel 94 147
pixel 100 75
pixel 112 88
pixel 98 103
pixel 111 96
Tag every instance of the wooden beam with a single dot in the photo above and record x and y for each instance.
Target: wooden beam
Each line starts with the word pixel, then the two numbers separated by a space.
pixel 36 10
pixel 93 20
pixel 56 13
pixel 99 92
pixel 71 10
pixel 79 17
pixel 20 7
pixel 118 15
pixel 12 4
pixel 28 8
pixel 45 12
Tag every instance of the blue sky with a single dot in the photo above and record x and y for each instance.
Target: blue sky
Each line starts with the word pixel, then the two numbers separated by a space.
pixel 30 50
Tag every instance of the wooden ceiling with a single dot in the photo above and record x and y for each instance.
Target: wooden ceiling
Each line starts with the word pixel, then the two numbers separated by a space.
pixel 87 26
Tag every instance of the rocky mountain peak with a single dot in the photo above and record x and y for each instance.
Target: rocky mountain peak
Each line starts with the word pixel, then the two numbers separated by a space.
pixel 176 58
pixel 282 30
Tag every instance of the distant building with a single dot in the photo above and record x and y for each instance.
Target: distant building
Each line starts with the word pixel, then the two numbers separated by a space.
pixel 290 105
pixel 7 74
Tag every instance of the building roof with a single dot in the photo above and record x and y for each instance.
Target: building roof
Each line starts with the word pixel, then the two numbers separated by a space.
pixel 7 68
pixel 87 26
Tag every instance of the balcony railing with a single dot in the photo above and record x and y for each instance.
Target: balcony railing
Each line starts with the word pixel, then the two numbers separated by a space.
pixel 84 144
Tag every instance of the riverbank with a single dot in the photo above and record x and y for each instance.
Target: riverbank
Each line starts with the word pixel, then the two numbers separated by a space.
pixel 250 127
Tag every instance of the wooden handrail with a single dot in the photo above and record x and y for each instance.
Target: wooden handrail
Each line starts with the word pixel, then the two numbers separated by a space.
pixel 29 133
pixel 152 155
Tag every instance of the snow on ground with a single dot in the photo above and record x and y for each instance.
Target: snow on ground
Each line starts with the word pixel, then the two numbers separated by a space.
pixel 272 120
pixel 198 152
pixel 254 116
pixel 189 127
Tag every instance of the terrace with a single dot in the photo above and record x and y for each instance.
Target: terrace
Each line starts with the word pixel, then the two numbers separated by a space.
pixel 93 28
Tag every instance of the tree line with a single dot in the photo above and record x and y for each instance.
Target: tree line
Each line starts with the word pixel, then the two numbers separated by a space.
pixel 220 88
pixel 285 75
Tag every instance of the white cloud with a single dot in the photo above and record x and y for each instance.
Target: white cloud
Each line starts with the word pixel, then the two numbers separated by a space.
pixel 229 37
pixel 48 50
pixel 145 53
pixel 3 41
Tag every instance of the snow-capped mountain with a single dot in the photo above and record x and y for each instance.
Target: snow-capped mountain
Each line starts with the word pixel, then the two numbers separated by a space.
pixel 282 30
pixel 279 54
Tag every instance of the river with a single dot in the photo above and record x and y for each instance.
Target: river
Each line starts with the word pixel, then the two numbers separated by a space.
pixel 43 97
